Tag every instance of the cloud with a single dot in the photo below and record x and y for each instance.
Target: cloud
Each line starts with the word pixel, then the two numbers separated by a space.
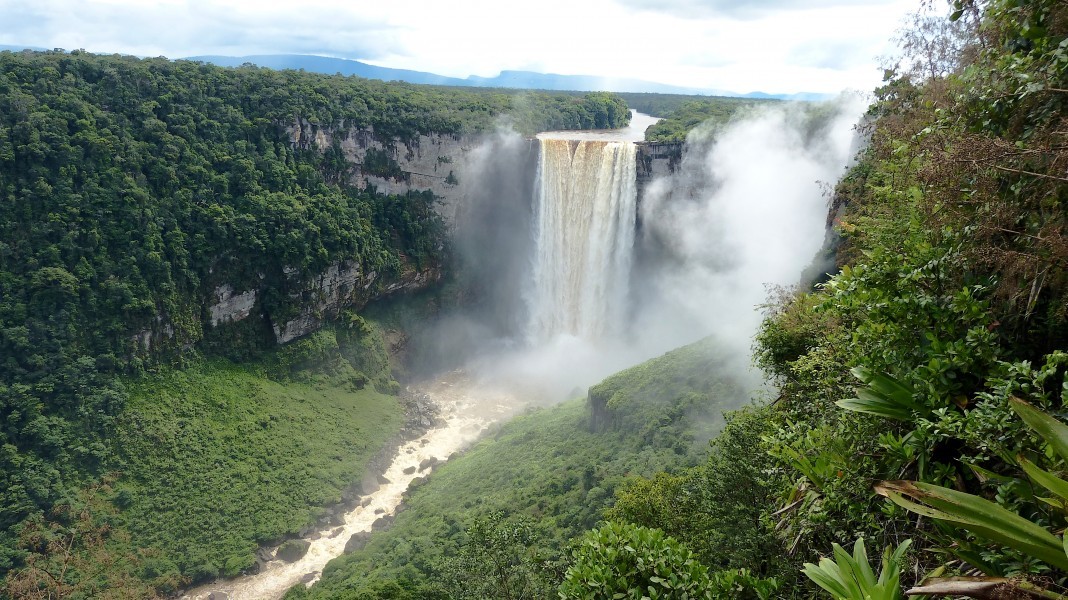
pixel 187 27
pixel 711 44
pixel 836 55
pixel 734 9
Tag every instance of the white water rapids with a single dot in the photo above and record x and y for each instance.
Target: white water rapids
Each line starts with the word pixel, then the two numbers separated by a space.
pixel 467 409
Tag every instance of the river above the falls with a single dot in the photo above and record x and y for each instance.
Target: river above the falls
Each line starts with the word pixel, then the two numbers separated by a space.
pixel 633 132
pixel 467 408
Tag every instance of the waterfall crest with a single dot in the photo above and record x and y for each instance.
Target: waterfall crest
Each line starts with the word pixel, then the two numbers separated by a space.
pixel 585 211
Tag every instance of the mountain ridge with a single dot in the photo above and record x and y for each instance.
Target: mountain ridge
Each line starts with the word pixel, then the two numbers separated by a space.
pixel 511 79
pixel 508 79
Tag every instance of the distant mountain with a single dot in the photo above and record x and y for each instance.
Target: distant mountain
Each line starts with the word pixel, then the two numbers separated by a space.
pixel 799 97
pixel 506 79
pixel 330 66
pixel 552 81
pixel 17 48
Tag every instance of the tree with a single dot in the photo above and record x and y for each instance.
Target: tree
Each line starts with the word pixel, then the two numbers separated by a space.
pixel 69 556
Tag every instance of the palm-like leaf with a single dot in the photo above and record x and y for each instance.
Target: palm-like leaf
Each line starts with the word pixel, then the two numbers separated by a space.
pixel 851 577
pixel 979 516
pixel 1053 431
pixel 882 396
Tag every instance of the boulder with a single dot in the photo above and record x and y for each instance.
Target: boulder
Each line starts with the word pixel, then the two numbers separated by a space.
pixel 382 523
pixel 357 541
pixel 292 550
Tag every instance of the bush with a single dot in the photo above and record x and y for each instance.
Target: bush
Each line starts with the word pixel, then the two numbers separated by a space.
pixel 627 561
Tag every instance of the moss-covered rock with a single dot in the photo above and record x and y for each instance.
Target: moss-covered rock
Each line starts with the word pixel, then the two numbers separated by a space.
pixel 292 550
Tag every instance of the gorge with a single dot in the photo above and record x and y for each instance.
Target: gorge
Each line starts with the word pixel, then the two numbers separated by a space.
pixel 578 294
pixel 229 299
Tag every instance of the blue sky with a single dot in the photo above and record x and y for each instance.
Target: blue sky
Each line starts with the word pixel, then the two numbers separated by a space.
pixel 776 46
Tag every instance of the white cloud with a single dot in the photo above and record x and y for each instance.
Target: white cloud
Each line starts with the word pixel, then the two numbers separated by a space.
pixel 778 45
pixel 738 9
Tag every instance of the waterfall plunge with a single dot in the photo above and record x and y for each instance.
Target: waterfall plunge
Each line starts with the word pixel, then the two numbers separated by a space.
pixel 584 234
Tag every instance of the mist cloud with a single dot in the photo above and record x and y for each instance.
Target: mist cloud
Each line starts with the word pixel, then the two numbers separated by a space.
pixel 745 210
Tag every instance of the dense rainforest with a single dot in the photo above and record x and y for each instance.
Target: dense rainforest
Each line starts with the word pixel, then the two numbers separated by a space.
pixel 131 190
pixel 921 399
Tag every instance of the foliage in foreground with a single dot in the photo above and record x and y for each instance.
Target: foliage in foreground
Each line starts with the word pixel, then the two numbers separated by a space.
pixel 628 561
pixel 944 310
pixel 852 578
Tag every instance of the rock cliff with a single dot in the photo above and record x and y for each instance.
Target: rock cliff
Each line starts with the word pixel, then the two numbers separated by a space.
pixel 441 163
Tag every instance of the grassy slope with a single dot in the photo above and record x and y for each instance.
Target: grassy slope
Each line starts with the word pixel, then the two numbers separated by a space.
pixel 220 458
pixel 548 466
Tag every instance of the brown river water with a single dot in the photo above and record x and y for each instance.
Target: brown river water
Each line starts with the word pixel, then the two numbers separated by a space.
pixel 467 409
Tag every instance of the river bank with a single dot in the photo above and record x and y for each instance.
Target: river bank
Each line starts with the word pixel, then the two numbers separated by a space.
pixel 455 411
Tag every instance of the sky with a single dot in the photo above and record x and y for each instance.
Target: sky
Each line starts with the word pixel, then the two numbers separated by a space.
pixel 776 46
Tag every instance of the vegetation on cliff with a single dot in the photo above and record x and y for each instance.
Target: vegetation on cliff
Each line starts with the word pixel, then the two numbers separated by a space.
pixel 910 364
pixel 680 113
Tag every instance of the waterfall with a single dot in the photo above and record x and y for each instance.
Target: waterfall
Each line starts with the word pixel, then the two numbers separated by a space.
pixel 584 220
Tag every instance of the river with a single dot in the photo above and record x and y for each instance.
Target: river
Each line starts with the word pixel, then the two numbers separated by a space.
pixel 467 408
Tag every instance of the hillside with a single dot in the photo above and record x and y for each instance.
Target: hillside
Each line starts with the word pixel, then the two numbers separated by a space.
pixel 519 496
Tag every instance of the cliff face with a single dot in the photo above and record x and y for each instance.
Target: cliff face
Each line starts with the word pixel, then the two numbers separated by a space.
pixel 317 298
pixel 341 286
pixel 656 159
pixel 440 163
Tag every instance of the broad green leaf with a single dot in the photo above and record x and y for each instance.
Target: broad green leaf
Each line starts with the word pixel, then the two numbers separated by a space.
pixel 979 516
pixel 850 577
pixel 827 577
pixel 1053 431
pixel 877 408
pixel 882 396
pixel 860 558
pixel 1044 478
